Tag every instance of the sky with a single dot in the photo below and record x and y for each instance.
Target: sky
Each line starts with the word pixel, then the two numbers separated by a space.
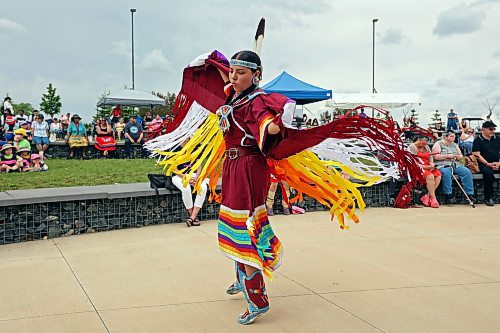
pixel 447 51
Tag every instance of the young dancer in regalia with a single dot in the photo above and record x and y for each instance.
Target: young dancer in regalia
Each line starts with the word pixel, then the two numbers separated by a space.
pixel 241 134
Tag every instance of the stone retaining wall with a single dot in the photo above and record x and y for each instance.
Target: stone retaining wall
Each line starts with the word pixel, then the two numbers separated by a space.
pixel 48 213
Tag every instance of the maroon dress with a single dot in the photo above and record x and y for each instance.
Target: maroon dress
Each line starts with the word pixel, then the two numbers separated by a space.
pixel 245 234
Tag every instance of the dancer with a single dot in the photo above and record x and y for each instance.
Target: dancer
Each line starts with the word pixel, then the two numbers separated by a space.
pixel 248 141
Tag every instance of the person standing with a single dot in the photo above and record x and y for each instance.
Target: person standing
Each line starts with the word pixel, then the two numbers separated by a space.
pixel 447 156
pixel 41 134
pixel 7 105
pixel 133 135
pixel 452 121
pixel 486 147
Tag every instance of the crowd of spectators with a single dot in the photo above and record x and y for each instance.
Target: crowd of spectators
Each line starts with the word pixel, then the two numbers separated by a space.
pixel 36 132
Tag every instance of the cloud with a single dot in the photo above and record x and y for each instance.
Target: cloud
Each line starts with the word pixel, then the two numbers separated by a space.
pixel 11 26
pixel 496 54
pixel 391 36
pixel 155 61
pixel 461 19
pixel 122 48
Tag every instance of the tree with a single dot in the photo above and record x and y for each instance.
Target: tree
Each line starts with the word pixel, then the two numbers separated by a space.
pixel 27 107
pixel 436 117
pixel 103 112
pixel 51 102
pixel 490 108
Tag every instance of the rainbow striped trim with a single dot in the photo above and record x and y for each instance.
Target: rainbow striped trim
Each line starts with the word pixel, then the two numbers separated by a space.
pixel 249 239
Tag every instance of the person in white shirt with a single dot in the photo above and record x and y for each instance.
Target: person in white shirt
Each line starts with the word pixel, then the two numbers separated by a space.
pixel 40 134
pixel 55 130
pixel 7 106
pixel 21 118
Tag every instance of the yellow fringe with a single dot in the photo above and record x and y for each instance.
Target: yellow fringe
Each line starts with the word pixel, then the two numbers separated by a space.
pixel 304 171
pixel 206 149
pixel 308 174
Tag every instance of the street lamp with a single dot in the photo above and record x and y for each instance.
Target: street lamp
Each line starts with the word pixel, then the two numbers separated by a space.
pixel 373 57
pixel 132 11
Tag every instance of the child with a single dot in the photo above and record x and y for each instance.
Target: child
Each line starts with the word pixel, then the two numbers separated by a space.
pixel 9 161
pixel 37 164
pixel 24 154
pixel 119 128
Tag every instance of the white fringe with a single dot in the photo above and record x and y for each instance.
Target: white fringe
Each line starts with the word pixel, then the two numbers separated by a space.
pixel 357 155
pixel 195 117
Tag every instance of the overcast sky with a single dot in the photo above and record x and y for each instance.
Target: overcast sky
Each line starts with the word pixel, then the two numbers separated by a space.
pixel 447 51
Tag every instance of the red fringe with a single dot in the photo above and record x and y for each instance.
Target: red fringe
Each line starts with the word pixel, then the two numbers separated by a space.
pixel 179 110
pixel 383 137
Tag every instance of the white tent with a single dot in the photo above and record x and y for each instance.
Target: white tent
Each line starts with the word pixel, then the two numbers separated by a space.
pixel 129 97
pixel 379 100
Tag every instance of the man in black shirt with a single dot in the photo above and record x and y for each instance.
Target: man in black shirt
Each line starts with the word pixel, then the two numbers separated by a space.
pixel 486 148
pixel 133 134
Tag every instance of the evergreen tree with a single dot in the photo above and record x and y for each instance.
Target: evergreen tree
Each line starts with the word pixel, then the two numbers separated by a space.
pixel 51 102
pixel 436 116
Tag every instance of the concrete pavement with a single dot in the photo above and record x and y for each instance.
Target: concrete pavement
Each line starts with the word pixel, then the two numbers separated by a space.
pixel 415 270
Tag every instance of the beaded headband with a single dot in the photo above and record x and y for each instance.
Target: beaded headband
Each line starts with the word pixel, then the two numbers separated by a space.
pixel 243 63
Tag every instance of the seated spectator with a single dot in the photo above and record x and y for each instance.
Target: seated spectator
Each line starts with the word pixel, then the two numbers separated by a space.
pixel 438 130
pixel 447 158
pixel 104 140
pixel 466 140
pixel 40 130
pixel 65 119
pixel 272 193
pixel 9 161
pixel 55 130
pixel 21 139
pixel 77 136
pixel 32 117
pixel 116 114
pixel 25 155
pixel 432 175
pixel 119 127
pixel 37 163
pixel 187 198
pixel 463 125
pixel 148 118
pixel 20 118
pixel 24 126
pixel 486 148
pixel 133 134
pixel 2 136
pixel 155 124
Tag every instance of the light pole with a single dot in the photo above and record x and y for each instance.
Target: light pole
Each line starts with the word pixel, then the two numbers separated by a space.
pixel 373 57
pixel 132 11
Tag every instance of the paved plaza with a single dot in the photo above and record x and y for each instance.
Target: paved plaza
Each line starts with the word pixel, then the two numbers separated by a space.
pixel 414 270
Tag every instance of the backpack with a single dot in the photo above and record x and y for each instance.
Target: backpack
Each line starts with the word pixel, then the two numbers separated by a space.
pixel 403 200
pixel 157 181
pixel 471 163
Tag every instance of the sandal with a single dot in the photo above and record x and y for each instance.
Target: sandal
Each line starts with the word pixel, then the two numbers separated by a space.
pixel 189 222
pixel 196 222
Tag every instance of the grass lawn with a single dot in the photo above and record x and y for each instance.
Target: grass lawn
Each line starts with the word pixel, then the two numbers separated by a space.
pixel 64 173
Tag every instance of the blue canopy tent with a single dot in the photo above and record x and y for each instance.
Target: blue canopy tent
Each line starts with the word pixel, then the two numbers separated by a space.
pixel 299 91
